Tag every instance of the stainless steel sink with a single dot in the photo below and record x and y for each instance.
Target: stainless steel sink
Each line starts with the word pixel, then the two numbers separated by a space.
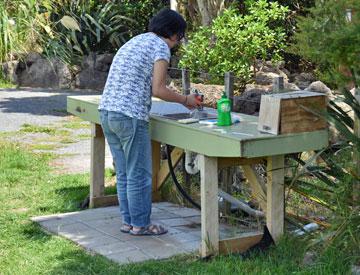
pixel 197 115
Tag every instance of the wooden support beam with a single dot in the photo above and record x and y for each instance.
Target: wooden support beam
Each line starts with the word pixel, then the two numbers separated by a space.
pixel 228 162
pixel 155 151
pixel 278 84
pixel 97 164
pixel 209 206
pixel 104 201
pixel 229 87
pixel 258 188
pixel 164 172
pixel 239 244
pixel 275 212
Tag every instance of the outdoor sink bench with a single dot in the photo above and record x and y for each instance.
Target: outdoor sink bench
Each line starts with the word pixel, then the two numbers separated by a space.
pixel 239 144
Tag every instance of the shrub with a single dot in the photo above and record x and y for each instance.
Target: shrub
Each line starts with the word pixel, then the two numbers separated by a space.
pixel 235 41
pixel 326 38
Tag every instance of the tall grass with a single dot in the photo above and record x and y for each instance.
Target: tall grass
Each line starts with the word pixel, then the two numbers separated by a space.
pixel 20 25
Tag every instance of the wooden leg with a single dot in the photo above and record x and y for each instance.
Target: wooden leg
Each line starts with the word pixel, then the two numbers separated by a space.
pixel 209 206
pixel 275 196
pixel 155 150
pixel 97 165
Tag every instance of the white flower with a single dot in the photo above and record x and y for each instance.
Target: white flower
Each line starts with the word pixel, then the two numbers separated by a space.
pixel 12 22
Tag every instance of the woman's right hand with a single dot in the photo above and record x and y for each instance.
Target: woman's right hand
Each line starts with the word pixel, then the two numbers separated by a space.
pixel 193 101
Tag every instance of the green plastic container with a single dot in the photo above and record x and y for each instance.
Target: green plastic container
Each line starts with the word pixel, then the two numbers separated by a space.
pixel 224 111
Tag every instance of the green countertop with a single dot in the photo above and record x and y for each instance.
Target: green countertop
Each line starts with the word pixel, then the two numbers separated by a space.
pixel 239 140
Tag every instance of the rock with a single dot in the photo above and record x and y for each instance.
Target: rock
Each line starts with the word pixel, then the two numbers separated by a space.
pixel 211 93
pixel 303 80
pixel 309 258
pixel 265 78
pixel 64 75
pixel 9 71
pixel 37 71
pixel 103 62
pixel 287 87
pixel 94 71
pixel 249 101
pixel 355 270
pixel 319 87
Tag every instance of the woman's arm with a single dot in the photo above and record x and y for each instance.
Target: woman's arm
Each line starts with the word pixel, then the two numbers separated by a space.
pixel 160 90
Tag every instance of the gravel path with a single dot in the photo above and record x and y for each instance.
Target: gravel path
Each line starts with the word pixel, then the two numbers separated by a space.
pixel 44 107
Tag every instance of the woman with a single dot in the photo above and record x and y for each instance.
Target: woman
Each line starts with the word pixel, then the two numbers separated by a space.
pixel 139 71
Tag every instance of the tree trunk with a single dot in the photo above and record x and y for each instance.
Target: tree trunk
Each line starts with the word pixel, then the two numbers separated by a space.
pixel 209 9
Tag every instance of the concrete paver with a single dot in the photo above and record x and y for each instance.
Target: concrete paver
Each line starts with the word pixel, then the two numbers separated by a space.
pixel 98 230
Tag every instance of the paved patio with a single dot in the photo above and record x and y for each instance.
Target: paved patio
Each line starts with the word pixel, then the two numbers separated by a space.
pixel 97 230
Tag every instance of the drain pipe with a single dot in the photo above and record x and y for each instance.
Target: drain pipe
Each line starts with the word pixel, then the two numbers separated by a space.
pixel 191 162
pixel 192 167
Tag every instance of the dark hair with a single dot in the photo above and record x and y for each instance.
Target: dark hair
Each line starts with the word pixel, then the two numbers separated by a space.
pixel 167 23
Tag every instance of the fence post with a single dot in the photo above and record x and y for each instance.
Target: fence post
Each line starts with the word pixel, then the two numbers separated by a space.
pixel 229 88
pixel 278 84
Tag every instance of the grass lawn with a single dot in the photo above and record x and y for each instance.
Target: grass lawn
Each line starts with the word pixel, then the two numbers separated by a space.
pixel 28 188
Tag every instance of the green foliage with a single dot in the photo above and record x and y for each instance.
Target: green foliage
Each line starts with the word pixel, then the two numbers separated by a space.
pixel 328 39
pixel 80 28
pixel 29 189
pixel 95 26
pixel 20 27
pixel 235 41
pixel 332 183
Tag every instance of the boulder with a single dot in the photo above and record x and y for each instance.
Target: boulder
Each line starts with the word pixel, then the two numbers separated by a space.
pixel 37 71
pixel 303 80
pixel 94 71
pixel 319 87
pixel 9 71
pixel 249 101
pixel 287 87
pixel 265 78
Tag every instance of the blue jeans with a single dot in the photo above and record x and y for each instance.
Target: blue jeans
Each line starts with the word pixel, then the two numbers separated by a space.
pixel 130 146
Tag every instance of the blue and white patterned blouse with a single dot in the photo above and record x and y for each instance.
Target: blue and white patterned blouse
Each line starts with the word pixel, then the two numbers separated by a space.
pixel 128 86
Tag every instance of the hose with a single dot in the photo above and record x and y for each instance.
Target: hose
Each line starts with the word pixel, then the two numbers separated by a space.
pixel 177 184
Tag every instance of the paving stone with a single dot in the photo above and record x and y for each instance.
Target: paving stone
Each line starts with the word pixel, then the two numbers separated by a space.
pixel 162 215
pixel 53 225
pixel 175 222
pixel 96 241
pixel 163 251
pixel 105 224
pixel 131 256
pixel 113 248
pixel 180 238
pixel 191 247
pixel 184 212
pixel 98 230
pixel 143 242
pixel 164 205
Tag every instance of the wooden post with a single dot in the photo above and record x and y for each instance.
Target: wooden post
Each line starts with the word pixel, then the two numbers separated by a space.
pixel 155 151
pixel 185 81
pixel 356 154
pixel 229 88
pixel 278 85
pixel 209 206
pixel 97 165
pixel 275 213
